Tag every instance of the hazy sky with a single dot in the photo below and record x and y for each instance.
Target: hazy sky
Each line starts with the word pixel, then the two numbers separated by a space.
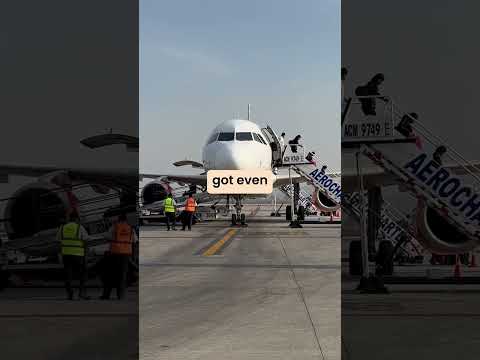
pixel 429 57
pixel 202 62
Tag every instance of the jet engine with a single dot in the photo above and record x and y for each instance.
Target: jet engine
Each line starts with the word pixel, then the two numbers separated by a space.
pixel 35 207
pixel 439 236
pixel 323 203
pixel 154 191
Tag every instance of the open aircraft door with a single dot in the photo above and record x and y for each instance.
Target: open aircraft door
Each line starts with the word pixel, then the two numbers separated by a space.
pixel 272 139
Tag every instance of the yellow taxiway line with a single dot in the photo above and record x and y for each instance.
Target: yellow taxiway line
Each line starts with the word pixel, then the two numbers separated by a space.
pixel 215 247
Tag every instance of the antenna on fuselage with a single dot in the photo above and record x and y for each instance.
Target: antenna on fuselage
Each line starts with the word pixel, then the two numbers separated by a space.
pixel 248 118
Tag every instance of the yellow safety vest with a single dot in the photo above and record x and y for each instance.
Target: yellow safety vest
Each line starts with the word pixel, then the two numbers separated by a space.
pixel 71 242
pixel 168 205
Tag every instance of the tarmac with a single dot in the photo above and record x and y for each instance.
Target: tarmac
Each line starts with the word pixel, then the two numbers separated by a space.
pixel 422 317
pixel 265 291
pixel 39 323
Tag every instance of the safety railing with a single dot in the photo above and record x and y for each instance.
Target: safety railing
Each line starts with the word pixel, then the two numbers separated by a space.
pixel 389 112
pixel 389 215
pixel 304 198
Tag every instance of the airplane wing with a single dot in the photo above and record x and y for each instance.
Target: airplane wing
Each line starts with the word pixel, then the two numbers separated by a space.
pixel 100 175
pixel 188 179
pixel 283 179
pixel 194 164
pixel 374 175
pixel 471 167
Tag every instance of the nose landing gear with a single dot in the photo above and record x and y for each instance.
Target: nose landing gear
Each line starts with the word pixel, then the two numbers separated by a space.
pixel 239 216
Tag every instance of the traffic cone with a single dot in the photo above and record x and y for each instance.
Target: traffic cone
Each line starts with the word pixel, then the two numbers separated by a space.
pixel 473 262
pixel 456 271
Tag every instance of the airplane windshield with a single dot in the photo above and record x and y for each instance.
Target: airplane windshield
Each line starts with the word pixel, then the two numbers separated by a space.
pixel 243 136
pixel 258 138
pixel 213 138
pixel 228 136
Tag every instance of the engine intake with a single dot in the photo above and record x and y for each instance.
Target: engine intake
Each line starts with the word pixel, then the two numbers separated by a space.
pixel 323 203
pixel 33 208
pixel 439 236
pixel 154 191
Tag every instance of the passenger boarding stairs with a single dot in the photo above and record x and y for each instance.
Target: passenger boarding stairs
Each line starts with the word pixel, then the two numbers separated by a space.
pixel 304 199
pixel 304 164
pixel 394 224
pixel 374 137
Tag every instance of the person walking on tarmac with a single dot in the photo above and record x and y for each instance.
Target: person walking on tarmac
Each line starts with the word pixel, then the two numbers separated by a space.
pixel 169 207
pixel 73 241
pixel 122 239
pixel 190 207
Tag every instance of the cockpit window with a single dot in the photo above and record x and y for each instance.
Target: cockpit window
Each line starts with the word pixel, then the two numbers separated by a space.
pixel 227 136
pixel 212 138
pixel 259 138
pixel 244 136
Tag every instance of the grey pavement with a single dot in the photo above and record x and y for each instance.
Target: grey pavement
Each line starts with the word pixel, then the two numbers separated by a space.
pixel 270 292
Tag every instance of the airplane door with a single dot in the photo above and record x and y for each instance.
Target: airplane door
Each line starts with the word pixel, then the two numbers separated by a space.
pixel 274 144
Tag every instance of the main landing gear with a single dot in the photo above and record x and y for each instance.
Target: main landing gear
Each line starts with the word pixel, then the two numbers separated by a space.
pixel 238 216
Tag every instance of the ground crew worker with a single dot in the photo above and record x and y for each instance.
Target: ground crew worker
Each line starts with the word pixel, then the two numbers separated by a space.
pixel 190 206
pixel 122 238
pixel 73 240
pixel 169 207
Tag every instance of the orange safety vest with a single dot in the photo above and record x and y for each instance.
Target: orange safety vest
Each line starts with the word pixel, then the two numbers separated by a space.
pixel 190 205
pixel 122 239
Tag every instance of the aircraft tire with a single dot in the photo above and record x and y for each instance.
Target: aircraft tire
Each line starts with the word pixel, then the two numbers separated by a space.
pixel 355 258
pixel 288 212
pixel 301 213
pixel 384 258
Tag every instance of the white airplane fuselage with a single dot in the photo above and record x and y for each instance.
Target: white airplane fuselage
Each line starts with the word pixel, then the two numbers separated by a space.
pixel 237 145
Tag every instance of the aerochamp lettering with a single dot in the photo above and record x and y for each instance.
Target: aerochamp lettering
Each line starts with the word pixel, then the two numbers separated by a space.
pixel 446 186
pixel 327 183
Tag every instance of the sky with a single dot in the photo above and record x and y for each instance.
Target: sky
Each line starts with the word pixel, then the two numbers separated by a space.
pixel 58 87
pixel 429 59
pixel 202 62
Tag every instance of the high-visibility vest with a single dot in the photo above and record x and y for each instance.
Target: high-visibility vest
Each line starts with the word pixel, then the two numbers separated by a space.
pixel 71 242
pixel 122 239
pixel 190 205
pixel 168 205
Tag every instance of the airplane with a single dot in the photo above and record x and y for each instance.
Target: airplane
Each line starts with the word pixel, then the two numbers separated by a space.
pixel 33 214
pixel 396 160
pixel 235 144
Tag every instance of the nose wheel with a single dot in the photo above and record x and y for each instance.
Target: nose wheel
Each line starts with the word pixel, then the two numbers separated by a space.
pixel 239 216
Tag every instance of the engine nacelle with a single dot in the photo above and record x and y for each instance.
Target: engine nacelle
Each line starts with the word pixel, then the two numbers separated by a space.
pixel 323 203
pixel 35 207
pixel 437 235
pixel 154 191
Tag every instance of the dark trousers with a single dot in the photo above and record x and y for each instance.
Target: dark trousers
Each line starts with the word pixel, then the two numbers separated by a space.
pixel 188 220
pixel 115 275
pixel 75 264
pixel 170 219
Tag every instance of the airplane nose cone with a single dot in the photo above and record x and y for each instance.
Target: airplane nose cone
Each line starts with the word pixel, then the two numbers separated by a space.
pixel 233 159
